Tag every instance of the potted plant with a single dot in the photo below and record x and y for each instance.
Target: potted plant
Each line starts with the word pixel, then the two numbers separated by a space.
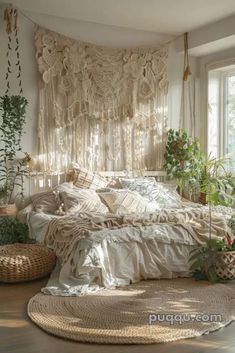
pixel 183 160
pixel 13 231
pixel 214 261
pixel 12 120
pixel 196 173
pixel 217 187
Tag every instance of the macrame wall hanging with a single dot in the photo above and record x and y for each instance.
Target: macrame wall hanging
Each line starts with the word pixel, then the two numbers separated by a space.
pixel 101 107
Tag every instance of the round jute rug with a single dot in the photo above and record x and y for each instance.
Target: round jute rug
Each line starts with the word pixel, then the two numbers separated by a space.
pixel 145 312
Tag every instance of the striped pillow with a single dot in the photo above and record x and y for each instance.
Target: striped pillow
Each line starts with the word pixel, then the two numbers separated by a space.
pixel 123 201
pixel 82 200
pixel 85 179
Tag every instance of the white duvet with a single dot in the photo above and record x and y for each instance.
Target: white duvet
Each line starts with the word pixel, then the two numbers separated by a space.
pixel 110 258
pixel 117 257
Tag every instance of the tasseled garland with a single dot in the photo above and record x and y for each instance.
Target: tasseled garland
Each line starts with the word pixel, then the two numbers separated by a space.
pixel 11 20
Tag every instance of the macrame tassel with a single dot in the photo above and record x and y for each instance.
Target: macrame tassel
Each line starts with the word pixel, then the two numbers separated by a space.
pixel 187 69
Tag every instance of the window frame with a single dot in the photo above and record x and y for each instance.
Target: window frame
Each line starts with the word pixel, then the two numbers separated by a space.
pixel 224 72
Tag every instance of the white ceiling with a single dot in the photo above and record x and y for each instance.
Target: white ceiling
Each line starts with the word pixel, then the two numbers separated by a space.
pixel 162 16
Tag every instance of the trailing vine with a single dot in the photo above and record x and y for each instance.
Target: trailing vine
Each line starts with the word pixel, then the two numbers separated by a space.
pixel 18 65
pixel 12 118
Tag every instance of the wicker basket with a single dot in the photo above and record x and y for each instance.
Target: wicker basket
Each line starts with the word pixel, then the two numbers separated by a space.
pixel 225 268
pixel 8 210
pixel 24 262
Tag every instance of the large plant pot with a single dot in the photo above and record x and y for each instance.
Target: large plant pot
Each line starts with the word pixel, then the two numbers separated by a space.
pixel 8 210
pixel 225 267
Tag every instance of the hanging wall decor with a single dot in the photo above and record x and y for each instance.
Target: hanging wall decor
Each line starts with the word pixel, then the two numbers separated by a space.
pixel 102 107
pixel 187 113
pixel 187 69
pixel 11 20
pixel 12 117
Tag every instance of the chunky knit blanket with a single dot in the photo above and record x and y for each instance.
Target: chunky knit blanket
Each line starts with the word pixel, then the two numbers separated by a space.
pixel 64 233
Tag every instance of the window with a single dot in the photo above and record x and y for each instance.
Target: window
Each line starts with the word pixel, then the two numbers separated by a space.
pixel 221 114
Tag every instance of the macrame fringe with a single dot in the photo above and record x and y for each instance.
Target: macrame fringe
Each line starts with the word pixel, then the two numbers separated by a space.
pixel 104 108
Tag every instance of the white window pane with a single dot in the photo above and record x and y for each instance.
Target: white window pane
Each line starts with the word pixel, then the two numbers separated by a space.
pixel 213 113
pixel 230 121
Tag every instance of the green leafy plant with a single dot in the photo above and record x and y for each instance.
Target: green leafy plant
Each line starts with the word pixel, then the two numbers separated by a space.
pixel 183 159
pixel 196 172
pixel 12 231
pixel 217 185
pixel 205 258
pixel 13 113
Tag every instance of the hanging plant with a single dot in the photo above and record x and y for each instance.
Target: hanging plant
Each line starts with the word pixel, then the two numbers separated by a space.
pixel 13 111
pixel 12 118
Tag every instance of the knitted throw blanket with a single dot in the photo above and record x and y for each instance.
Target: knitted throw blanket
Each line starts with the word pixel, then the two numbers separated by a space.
pixel 64 233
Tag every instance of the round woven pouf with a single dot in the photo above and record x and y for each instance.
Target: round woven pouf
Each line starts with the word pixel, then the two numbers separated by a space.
pixel 24 262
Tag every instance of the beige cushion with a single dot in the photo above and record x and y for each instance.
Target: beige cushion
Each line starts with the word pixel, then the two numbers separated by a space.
pixel 23 213
pixel 47 202
pixel 85 179
pixel 82 200
pixel 123 201
pixel 50 201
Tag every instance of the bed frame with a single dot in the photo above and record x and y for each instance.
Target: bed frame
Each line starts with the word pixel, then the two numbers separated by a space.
pixel 42 181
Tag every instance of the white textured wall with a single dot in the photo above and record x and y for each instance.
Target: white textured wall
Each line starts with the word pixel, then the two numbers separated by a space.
pixel 104 35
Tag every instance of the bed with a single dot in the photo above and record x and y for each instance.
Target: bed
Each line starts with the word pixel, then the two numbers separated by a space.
pixel 107 236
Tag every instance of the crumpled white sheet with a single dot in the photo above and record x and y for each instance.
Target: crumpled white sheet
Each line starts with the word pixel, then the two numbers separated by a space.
pixel 118 257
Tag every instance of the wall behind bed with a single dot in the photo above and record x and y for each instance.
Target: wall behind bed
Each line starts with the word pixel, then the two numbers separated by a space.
pixel 87 31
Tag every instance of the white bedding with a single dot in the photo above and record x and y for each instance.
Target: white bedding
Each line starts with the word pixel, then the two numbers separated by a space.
pixel 117 257
pixel 38 223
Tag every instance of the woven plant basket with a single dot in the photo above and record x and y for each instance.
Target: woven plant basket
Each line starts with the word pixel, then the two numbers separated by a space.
pixel 8 210
pixel 225 268
pixel 24 262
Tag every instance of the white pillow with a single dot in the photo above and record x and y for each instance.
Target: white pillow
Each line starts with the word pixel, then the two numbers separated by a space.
pixel 46 201
pixel 123 201
pixel 86 179
pixel 82 200
pixel 142 185
pixel 159 195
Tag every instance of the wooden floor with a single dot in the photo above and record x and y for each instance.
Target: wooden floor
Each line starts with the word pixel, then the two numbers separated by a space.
pixel 19 335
